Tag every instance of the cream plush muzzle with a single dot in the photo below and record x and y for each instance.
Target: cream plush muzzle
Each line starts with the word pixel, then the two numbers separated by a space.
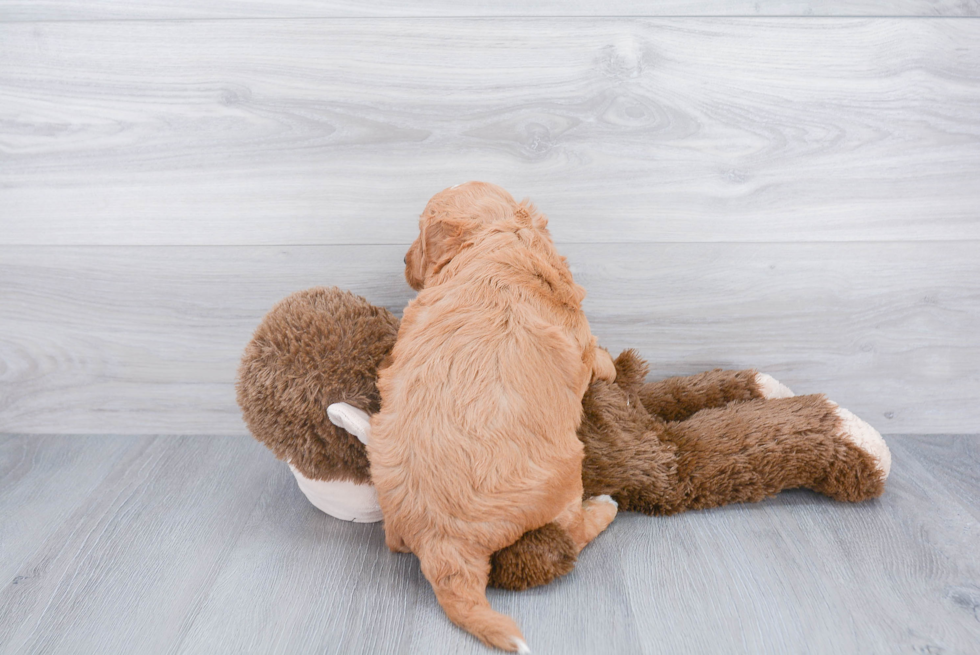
pixel 342 499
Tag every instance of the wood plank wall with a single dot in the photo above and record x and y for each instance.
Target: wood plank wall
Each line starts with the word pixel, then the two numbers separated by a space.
pixel 791 186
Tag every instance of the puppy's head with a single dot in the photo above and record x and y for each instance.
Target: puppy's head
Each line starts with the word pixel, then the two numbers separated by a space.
pixel 448 224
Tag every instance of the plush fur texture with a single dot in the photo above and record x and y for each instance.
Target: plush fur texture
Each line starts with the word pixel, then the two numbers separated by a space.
pixel 314 348
pixel 676 399
pixel 729 450
pixel 475 442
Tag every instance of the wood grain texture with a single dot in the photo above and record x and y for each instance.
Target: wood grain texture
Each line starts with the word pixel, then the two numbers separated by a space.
pixel 954 461
pixel 43 482
pixel 804 575
pixel 36 10
pixel 337 131
pixel 139 552
pixel 147 340
pixel 205 545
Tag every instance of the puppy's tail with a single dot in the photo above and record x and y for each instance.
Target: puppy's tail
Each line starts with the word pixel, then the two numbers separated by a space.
pixel 458 574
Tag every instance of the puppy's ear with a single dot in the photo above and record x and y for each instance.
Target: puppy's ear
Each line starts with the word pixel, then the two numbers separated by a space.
pixel 415 265
pixel 442 239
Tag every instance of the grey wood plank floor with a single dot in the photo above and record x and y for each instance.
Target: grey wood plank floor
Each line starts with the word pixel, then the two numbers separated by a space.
pixel 160 544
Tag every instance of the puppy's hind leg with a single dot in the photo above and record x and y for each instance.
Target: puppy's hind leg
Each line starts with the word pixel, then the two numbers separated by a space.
pixel 585 520
pixel 458 572
pixel 394 542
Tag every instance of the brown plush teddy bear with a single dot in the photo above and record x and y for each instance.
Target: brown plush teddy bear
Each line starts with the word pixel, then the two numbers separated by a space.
pixel 307 385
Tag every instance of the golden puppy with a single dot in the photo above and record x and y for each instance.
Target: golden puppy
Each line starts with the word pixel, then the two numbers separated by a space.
pixel 475 442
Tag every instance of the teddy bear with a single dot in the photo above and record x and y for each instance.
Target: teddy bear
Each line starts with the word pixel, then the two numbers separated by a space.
pixel 307 387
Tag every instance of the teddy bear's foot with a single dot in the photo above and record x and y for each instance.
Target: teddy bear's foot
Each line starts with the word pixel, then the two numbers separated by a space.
pixel 866 438
pixel 862 461
pixel 537 558
pixel 770 387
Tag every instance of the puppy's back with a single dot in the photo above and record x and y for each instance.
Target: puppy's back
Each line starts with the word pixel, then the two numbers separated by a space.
pixel 488 401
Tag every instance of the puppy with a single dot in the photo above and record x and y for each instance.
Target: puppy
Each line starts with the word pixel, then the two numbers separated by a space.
pixel 475 442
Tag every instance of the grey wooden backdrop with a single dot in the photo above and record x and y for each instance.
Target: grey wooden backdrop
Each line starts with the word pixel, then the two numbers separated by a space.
pixel 792 186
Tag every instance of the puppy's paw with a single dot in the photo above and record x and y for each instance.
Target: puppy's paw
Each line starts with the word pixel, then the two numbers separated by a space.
pixel 865 438
pixel 600 511
pixel 770 387
pixel 394 542
pixel 606 498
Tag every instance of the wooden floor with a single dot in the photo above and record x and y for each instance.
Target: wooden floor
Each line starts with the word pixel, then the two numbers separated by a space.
pixel 205 545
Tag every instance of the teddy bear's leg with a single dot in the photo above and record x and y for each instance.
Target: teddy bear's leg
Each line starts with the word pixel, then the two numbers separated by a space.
pixel 535 559
pixel 843 480
pixel 751 450
pixel 549 552
pixel 678 398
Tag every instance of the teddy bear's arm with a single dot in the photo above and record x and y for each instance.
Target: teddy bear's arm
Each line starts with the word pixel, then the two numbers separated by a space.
pixel 679 398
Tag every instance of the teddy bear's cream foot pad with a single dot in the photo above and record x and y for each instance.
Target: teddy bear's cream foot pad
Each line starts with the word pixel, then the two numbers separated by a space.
pixel 861 435
pixel 771 388
pixel 342 499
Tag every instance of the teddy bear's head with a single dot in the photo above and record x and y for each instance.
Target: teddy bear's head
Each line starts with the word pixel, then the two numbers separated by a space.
pixel 315 348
